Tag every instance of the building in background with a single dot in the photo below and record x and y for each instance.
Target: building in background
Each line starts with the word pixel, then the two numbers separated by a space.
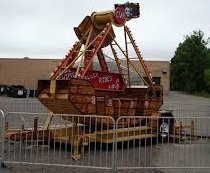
pixel 27 71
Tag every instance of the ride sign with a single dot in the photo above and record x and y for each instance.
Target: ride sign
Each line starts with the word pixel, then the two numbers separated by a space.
pixel 100 80
pixel 120 16
pixel 164 129
pixel 125 12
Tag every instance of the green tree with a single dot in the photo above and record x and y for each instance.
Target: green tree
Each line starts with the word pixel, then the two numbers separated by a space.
pixel 191 59
pixel 207 79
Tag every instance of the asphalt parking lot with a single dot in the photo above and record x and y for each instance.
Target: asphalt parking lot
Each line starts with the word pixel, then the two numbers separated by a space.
pixel 177 153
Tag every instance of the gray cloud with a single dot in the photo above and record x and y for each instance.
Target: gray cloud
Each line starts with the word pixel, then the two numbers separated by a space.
pixel 44 29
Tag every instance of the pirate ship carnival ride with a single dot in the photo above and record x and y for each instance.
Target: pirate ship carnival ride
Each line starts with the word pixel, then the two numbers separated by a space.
pixel 85 82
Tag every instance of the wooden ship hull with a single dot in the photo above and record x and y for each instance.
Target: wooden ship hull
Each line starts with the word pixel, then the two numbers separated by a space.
pixel 80 97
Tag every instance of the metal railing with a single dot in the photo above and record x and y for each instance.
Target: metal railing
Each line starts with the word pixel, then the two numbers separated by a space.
pixel 183 144
pixel 100 142
pixel 2 137
pixel 67 139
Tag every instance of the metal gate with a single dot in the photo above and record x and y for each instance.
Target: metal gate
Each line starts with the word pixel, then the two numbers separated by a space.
pixel 2 123
pixel 58 139
pixel 180 143
pixel 99 142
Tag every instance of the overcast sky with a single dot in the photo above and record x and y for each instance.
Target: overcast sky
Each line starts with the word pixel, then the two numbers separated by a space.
pixel 44 28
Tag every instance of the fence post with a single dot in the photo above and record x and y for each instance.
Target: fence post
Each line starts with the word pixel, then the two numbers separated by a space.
pixel 114 149
pixel 2 138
